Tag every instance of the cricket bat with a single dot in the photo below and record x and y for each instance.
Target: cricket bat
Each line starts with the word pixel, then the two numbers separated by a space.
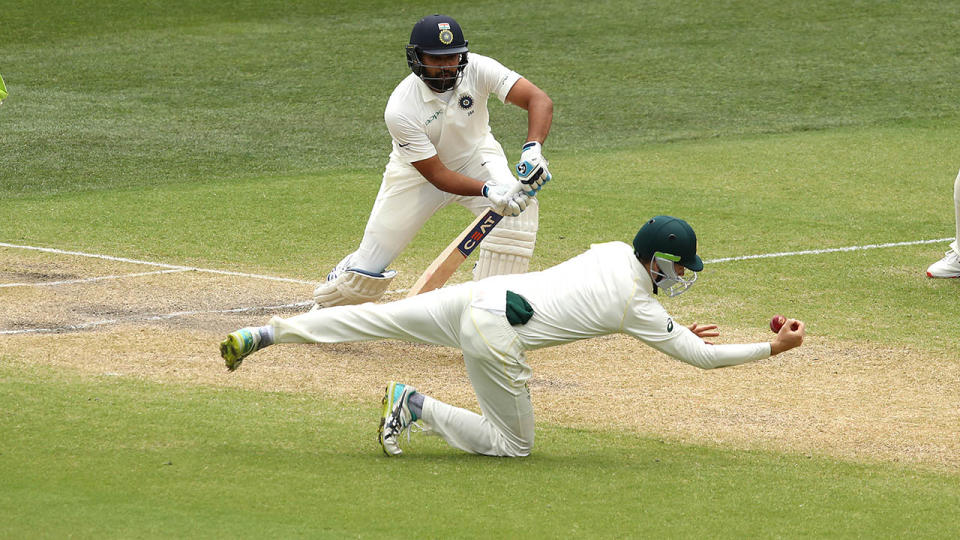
pixel 453 256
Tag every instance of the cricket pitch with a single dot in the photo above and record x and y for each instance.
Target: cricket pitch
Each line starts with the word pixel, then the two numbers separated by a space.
pixel 852 401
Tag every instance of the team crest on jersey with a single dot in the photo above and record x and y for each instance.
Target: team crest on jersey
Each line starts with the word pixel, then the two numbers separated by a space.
pixel 669 325
pixel 465 102
pixel 446 37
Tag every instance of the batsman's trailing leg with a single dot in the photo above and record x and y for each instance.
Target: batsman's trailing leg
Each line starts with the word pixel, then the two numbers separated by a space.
pixel 238 346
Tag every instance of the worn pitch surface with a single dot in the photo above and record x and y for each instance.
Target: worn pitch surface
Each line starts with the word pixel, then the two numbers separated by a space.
pixel 847 400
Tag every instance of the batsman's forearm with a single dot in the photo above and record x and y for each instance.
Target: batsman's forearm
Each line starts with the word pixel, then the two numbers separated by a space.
pixel 538 105
pixel 539 119
pixel 456 183
pixel 444 179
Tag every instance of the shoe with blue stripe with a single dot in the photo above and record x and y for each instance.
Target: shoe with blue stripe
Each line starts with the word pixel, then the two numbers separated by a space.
pixel 238 346
pixel 396 417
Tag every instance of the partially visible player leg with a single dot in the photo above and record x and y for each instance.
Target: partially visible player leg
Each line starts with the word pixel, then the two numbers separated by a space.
pixel 956 208
pixel 949 265
pixel 499 373
pixel 492 354
pixel 244 342
pixel 340 268
pixel 428 318
pixel 432 317
pixel 352 287
pixel 401 209
pixel 398 416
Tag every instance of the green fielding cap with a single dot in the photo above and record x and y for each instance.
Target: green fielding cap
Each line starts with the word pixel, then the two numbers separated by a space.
pixel 3 89
pixel 670 235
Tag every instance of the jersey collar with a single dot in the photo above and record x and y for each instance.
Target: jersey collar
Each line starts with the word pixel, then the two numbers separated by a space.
pixel 426 93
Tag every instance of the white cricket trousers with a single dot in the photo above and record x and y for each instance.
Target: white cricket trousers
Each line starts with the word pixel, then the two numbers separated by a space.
pixel 492 353
pixel 406 201
pixel 955 245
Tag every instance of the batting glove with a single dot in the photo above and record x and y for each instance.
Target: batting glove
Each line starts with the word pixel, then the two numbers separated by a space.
pixel 506 200
pixel 532 168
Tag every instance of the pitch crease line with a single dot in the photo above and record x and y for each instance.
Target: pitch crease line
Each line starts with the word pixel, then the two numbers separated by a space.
pixel 304 282
pixel 175 314
pixel 88 280
pixel 310 302
pixel 828 250
pixel 161 265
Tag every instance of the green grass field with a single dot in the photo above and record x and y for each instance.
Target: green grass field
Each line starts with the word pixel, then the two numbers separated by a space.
pixel 248 136
pixel 127 459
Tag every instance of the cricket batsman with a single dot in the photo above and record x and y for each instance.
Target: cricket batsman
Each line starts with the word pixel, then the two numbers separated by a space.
pixel 444 153
pixel 611 288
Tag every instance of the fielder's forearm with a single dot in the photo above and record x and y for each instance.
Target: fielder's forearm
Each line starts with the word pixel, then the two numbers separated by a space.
pixel 732 355
pixel 689 348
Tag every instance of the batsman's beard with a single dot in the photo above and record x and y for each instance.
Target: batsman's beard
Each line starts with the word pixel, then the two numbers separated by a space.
pixel 443 83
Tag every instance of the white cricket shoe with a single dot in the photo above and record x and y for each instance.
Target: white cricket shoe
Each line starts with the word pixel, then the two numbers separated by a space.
pixel 324 287
pixel 947 267
pixel 396 417
pixel 340 268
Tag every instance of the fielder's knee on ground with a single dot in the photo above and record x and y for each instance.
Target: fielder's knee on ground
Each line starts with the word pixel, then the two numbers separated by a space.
pixel 471 432
pixel 498 371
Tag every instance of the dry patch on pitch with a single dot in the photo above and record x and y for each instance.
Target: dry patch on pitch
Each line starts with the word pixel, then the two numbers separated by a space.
pixel 848 400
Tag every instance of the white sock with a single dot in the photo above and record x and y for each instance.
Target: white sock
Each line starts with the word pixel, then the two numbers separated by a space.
pixel 266 335
pixel 415 401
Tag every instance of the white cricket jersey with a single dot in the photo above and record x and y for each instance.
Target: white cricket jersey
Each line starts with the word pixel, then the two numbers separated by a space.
pixel 423 125
pixel 604 291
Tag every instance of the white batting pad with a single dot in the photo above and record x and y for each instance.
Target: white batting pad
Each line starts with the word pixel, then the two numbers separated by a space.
pixel 352 287
pixel 509 246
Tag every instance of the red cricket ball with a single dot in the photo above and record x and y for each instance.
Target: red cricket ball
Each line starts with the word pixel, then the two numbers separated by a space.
pixel 776 323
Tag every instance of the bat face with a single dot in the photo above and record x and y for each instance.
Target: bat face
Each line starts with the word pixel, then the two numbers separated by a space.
pixel 473 237
pixel 453 256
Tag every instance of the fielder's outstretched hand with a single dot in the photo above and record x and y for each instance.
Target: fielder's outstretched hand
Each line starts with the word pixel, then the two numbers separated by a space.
pixel 790 336
pixel 704 331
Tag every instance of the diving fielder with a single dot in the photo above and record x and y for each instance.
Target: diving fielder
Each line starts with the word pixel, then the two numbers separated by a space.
pixel 443 153
pixel 608 289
